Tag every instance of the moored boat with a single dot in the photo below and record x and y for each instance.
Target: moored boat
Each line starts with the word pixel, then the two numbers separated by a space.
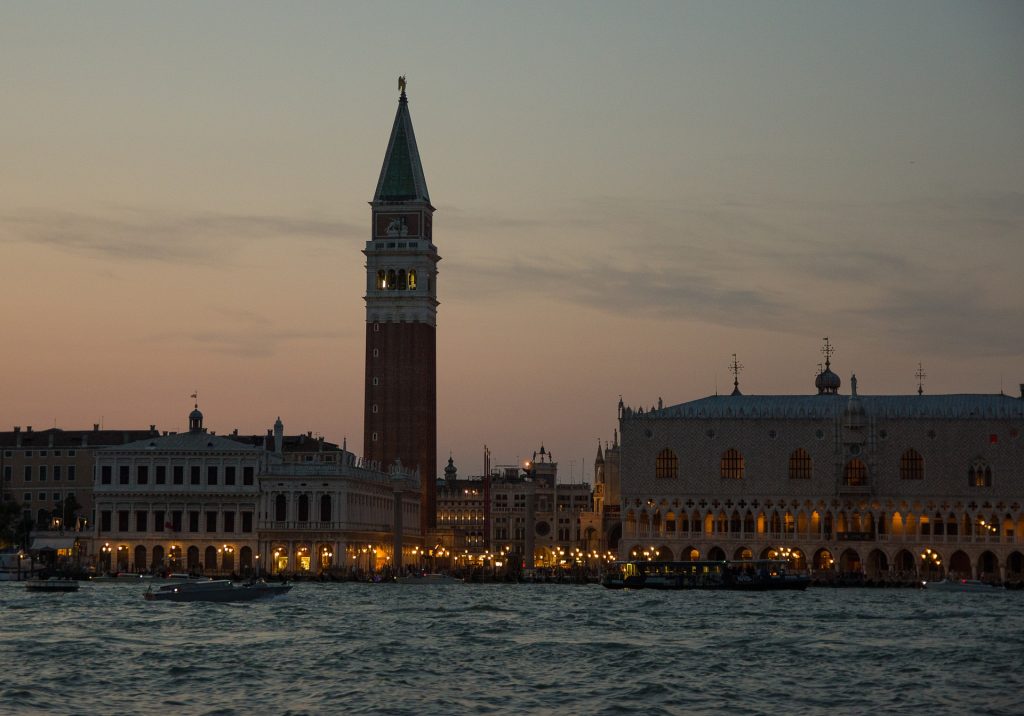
pixel 959 585
pixel 738 575
pixel 53 584
pixel 215 590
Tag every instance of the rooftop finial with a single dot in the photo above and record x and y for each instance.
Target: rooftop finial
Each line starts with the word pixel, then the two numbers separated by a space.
pixel 827 351
pixel 401 84
pixel 920 375
pixel 735 367
pixel 195 397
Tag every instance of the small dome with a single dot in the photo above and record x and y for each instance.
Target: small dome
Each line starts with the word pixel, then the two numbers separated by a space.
pixel 827 382
pixel 195 415
pixel 450 471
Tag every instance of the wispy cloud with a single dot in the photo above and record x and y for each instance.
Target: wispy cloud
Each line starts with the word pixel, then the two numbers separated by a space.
pixel 936 273
pixel 247 342
pixel 133 234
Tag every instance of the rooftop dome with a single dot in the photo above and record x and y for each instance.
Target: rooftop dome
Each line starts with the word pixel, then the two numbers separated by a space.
pixel 827 382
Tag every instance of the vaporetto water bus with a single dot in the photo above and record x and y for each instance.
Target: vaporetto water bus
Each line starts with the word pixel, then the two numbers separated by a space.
pixel 743 575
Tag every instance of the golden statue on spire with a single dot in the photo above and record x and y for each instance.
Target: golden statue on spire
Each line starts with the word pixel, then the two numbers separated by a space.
pixel 401 84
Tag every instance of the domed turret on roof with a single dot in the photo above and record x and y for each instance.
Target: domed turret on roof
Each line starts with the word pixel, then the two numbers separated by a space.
pixel 195 420
pixel 451 472
pixel 827 382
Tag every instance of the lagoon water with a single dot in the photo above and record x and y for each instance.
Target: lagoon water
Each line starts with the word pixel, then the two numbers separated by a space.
pixel 512 649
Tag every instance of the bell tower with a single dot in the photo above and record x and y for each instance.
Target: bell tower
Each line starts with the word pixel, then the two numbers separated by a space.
pixel 400 412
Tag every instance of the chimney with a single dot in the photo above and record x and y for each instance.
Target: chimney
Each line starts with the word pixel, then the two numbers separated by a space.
pixel 29 428
pixel 95 427
pixel 17 436
pixel 152 428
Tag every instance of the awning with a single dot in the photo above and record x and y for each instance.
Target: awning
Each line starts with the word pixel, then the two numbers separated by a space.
pixel 40 543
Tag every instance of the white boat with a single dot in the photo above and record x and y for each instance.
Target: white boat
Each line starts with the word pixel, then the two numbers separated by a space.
pixel 214 590
pixel 959 585
pixel 53 584
pixel 429 578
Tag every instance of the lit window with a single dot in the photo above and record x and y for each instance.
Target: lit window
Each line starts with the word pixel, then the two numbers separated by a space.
pixel 911 465
pixel 800 465
pixel 732 464
pixel 412 279
pixel 666 465
pixel 979 474
pixel 856 473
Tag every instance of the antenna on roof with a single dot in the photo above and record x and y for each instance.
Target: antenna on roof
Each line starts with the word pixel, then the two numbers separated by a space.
pixel 920 375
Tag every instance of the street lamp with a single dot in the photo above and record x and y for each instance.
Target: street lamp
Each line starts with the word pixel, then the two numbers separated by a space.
pixel 930 561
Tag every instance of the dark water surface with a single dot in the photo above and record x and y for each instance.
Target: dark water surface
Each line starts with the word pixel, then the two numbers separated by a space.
pixel 451 649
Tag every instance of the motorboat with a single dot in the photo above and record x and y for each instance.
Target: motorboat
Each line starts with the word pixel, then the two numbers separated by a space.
pixel 215 590
pixel 53 584
pixel 428 578
pixel 959 585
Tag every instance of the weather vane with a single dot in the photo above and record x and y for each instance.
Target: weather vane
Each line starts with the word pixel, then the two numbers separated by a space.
pixel 195 397
pixel 920 375
pixel 735 367
pixel 827 351
pixel 401 84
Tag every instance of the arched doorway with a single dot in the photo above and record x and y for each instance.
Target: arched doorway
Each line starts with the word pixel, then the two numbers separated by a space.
pixel 849 562
pixel 615 536
pixel 743 553
pixel 303 558
pixel 878 565
pixel 988 567
pixel 823 561
pixel 140 558
pixel 1014 567
pixel 279 559
pixel 210 559
pixel 960 565
pixel 691 554
pixel 122 558
pixel 664 554
pixel 245 560
pixel 158 557
pixel 192 558
pixel 904 565
pixel 174 555
pixel 716 554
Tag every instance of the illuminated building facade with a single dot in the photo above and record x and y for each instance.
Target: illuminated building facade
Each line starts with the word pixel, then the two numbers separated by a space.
pixel 882 486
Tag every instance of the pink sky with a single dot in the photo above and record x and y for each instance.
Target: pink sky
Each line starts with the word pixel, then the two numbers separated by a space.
pixel 624 199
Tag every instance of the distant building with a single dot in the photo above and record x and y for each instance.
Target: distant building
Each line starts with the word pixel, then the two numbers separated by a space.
pixel 601 526
pixel 873 485
pixel 48 472
pixel 336 513
pixel 180 501
pixel 400 409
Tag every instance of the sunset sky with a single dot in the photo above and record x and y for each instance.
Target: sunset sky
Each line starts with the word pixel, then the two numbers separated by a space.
pixel 626 193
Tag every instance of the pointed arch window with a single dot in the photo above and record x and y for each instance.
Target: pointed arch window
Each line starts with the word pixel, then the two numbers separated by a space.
pixel 382 280
pixel 412 279
pixel 402 281
pixel 666 465
pixel 911 465
pixel 979 474
pixel 392 281
pixel 855 474
pixel 800 465
pixel 732 467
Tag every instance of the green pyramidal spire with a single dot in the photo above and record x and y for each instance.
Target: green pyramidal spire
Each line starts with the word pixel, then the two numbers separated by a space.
pixel 401 177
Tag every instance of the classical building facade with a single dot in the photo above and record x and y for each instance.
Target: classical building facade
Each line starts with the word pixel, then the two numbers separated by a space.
pixel 400 410
pixel 181 501
pixel 883 486
pixel 337 515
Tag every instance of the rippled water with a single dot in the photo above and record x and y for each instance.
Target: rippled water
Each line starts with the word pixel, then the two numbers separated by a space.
pixel 444 649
